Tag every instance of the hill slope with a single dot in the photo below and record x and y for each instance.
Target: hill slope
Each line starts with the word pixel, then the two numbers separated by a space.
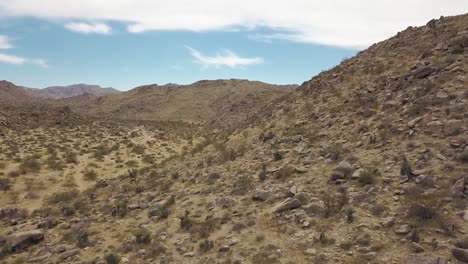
pixel 216 101
pixel 57 92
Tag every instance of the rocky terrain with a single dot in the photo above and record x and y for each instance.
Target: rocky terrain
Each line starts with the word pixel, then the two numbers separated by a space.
pixel 364 163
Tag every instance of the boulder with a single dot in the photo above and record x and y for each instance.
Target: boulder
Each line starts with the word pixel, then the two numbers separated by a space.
pixel 422 72
pixel 454 127
pixel 460 254
pixel 342 171
pixel 288 204
pixel 24 239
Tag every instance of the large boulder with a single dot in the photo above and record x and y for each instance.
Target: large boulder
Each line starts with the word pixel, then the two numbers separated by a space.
pixel 422 72
pixel 288 204
pixel 24 239
pixel 426 260
pixel 342 171
pixel 460 254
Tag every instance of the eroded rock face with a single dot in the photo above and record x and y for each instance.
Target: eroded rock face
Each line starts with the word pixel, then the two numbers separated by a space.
pixel 21 240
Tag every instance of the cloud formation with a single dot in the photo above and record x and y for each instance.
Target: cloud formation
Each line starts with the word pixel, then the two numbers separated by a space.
pixel 344 23
pixel 224 58
pixel 88 28
pixel 5 42
pixel 16 60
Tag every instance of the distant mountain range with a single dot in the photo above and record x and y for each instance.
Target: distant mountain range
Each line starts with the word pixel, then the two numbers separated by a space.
pixel 58 92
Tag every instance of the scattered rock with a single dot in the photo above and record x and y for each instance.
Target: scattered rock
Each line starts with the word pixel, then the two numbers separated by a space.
pixel 402 229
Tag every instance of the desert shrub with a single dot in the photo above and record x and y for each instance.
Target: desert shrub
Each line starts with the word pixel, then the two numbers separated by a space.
pixel 205 245
pixel 263 173
pixel 405 167
pixel 277 155
pixel 142 236
pixel 366 177
pixel 333 151
pixel 68 210
pixel 334 202
pixel 422 212
pixel 29 164
pixel 350 215
pixel 139 149
pixel 346 245
pixel 186 222
pixel 131 163
pixel 149 159
pixel 463 157
pixel 63 197
pixel 90 175
pixel 5 184
pixel 13 174
pixel 101 151
pixel 112 258
pixel 55 164
pixel 70 157
pixel 120 209
pixel 242 184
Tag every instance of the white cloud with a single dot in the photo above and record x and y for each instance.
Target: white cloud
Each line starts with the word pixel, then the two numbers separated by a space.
pixel 16 60
pixel 5 42
pixel 224 58
pixel 11 59
pixel 335 22
pixel 88 28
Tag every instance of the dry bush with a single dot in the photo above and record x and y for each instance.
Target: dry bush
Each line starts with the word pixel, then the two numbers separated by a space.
pixel 29 164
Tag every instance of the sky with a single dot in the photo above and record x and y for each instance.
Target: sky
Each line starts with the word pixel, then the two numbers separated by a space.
pixel 127 43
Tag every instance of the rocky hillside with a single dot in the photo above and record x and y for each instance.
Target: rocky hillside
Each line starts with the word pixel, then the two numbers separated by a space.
pixel 57 92
pixel 364 163
pixel 20 109
pixel 219 101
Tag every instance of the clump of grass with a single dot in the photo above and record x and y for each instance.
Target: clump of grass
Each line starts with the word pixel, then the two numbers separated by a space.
pixel 63 197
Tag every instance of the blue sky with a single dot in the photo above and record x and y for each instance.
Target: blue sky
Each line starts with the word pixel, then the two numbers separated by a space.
pixel 123 45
